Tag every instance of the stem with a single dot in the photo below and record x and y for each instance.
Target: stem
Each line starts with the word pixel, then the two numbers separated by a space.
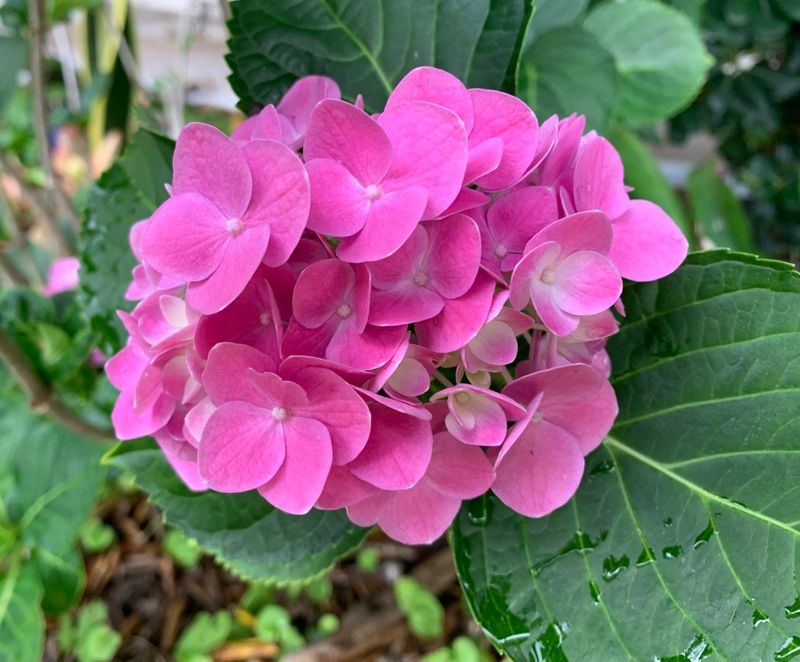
pixel 42 398
pixel 38 26
pixel 506 375
pixel 444 381
pixel 11 270
pixel 225 7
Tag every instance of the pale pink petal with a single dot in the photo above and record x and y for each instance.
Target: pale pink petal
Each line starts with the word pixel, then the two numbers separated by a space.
pixel 339 203
pixel 188 472
pixel 430 151
pixel 398 451
pixel 418 516
pixel 647 244
pixel 242 448
pixel 185 238
pixel 126 366
pixel 598 179
pixel 321 290
pixel 343 489
pixel 338 130
pixel 333 402
pixel 584 231
pixel 558 321
pixel 495 344
pixel 436 86
pixel 540 472
pixel 478 416
pixel 391 219
pixel 132 420
pixel 280 197
pixel 500 115
pixel 401 406
pixel 411 379
pixel 529 270
pixel 586 283
pixel 458 470
pixel 62 276
pixel 548 138
pixel 196 419
pixel 207 162
pixel 242 258
pixel 383 373
pixel 299 482
pixel 460 319
pixel 454 255
pixel 367 511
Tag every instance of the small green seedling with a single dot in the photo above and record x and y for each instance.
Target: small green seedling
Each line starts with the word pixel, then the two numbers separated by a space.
pixel 422 610
pixel 90 638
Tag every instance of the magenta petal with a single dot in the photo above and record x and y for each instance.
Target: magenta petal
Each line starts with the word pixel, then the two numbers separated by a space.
pixel 266 125
pixel 597 181
pixel 343 489
pixel 333 402
pixel 188 472
pixel 242 258
pixel 126 366
pixel 300 99
pixel 430 151
pixel 458 470
pixel 280 197
pixel 390 221
pixel 207 162
pixel 500 115
pixel 185 238
pixel 586 283
pixel 540 472
pixel 367 511
pixel 436 86
pixel 227 373
pixel 241 449
pixel 460 319
pixel 398 451
pixel 338 130
pixel 647 244
pixel 366 350
pixel 476 420
pixel 404 305
pixel 584 231
pixel 516 217
pixel 403 264
pixel 466 200
pixel 454 255
pixel 299 481
pixel 320 290
pixel 550 313
pixel 418 516
pixel 529 271
pixel 300 341
pixel 484 158
pixel 339 203
pixel 131 420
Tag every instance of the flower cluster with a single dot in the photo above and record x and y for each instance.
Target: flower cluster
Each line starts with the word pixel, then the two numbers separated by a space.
pixel 385 313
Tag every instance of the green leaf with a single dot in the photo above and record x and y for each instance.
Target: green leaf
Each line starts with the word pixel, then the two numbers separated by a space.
pixel 567 70
pixel 718 214
pixel 660 57
pixel 21 618
pixel 206 632
pixel 369 45
pixel 97 536
pixel 552 14
pixel 683 537
pixel 13 55
pixel 184 551
pixel 422 609
pixel 243 531
pixel 789 7
pixel 126 193
pixel 643 173
pixel 62 577
pixel 94 639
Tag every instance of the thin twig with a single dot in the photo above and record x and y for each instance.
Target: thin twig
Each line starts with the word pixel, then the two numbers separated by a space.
pixel 38 26
pixel 42 397
pixel 11 270
pixel 443 380
pixel 225 7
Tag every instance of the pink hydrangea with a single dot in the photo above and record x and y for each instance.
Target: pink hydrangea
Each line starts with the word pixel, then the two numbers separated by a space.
pixel 388 314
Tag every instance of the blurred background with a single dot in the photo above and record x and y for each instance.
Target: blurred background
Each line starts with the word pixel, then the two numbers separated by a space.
pixel 77 78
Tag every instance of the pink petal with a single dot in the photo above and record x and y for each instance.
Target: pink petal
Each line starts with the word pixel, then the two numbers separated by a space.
pixel 584 231
pixel 466 200
pixel 418 516
pixel 403 264
pixel 266 125
pixel 458 470
pixel 495 344
pixel 391 219
pixel 343 489
pixel 478 416
pixel 299 482
pixel 188 472
pixel 132 420
pixel 333 402
pixel 321 289
pixel 529 270
pixel 226 376
pixel 460 319
pixel 185 238
pixel 300 100
pixel 62 276
pixel 126 366
pixel 430 151
pixel 500 115
pixel 411 379
pixel 563 153
pixel 398 451
pixel 598 179
pixel 400 406
pixel 586 283
pixel 406 305
pixel 484 157
pixel 242 258
pixel 366 350
pixel 242 448
pixel 454 255
pixel 436 86
pixel 339 203
pixel 647 244
pixel 367 511
pixel 280 197
pixel 540 472
pixel 300 341
pixel 207 162
pixel 557 321
pixel 338 130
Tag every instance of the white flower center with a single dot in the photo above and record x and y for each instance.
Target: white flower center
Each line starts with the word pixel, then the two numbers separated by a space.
pixel 344 310
pixel 373 192
pixel 462 398
pixel 265 319
pixel 500 251
pixel 548 276
pixel 420 278
pixel 280 413
pixel 234 226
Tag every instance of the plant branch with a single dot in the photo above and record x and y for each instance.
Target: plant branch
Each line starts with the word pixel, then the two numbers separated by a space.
pixel 42 397
pixel 11 270
pixel 38 26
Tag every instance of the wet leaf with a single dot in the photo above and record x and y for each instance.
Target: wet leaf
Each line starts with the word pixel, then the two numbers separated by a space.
pixel 682 540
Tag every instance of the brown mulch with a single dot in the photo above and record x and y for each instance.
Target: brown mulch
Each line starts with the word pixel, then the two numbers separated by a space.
pixel 151 599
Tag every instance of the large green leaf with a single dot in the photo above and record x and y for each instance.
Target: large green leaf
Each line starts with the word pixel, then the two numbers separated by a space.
pixel 128 192
pixel 367 46
pixel 567 70
pixel 243 531
pixel 554 14
pixel 13 55
pixel 682 541
pixel 21 618
pixel 659 53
